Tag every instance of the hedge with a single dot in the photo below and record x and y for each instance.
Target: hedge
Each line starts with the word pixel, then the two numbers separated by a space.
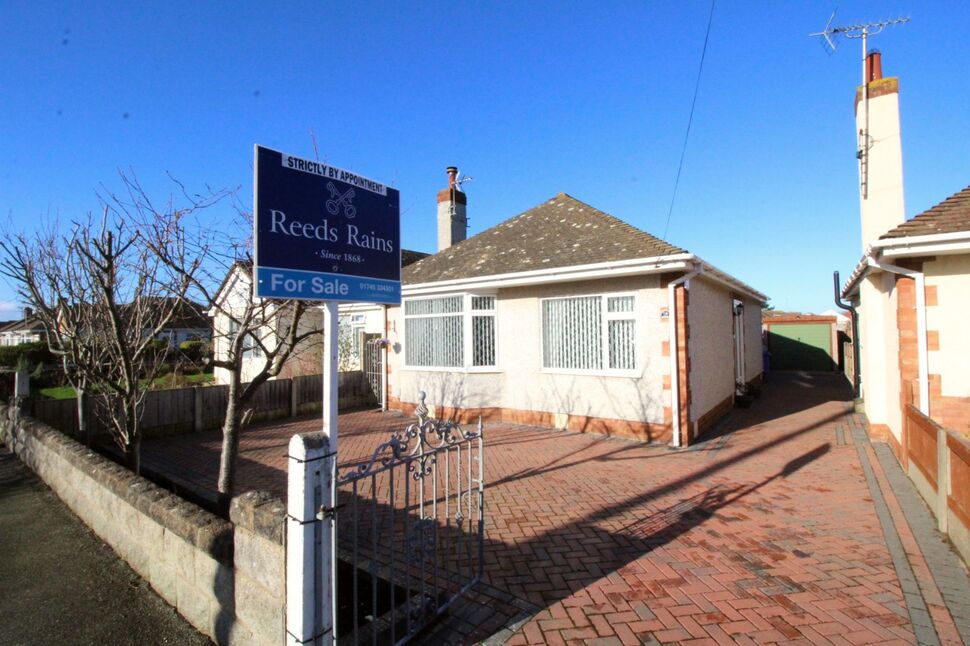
pixel 35 353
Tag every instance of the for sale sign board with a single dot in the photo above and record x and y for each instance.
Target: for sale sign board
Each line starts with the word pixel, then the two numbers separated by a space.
pixel 323 233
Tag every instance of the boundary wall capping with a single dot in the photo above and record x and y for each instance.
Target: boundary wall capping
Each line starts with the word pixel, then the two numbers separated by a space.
pixel 226 578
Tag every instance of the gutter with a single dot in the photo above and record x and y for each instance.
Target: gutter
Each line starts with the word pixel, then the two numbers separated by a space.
pixel 697 269
pixel 940 244
pixel 635 267
pixel 933 238
pixel 714 274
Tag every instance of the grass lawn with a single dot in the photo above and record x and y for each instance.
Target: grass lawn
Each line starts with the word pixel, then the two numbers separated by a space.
pixel 166 381
pixel 58 392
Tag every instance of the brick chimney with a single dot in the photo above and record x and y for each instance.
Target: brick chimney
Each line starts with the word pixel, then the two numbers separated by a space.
pixel 452 204
pixel 880 153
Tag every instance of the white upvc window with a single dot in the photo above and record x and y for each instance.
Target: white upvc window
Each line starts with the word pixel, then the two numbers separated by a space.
pixel 590 334
pixel 450 332
pixel 251 349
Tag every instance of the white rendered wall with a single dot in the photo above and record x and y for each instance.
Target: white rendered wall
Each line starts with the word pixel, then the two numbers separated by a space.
pixel 951 276
pixel 879 351
pixel 529 387
pixel 711 345
pixel 520 383
pixel 753 344
pixel 883 208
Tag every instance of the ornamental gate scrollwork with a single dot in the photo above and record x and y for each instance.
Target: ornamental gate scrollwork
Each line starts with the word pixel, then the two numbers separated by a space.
pixel 411 525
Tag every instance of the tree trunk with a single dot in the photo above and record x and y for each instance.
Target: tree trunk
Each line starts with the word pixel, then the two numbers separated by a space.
pixel 133 446
pixel 84 431
pixel 230 445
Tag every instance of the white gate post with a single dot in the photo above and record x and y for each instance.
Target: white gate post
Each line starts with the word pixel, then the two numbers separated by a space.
pixel 309 541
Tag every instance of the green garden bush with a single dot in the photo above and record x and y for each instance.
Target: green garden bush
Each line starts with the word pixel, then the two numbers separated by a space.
pixel 32 353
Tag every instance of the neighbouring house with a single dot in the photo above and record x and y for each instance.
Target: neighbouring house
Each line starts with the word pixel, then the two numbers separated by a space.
pixel 360 324
pixel 910 287
pixel 565 316
pixel 910 290
pixel 188 323
pixel 813 342
pixel 29 329
pixel 233 298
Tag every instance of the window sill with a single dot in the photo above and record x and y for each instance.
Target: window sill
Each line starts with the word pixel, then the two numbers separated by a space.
pixel 489 370
pixel 624 374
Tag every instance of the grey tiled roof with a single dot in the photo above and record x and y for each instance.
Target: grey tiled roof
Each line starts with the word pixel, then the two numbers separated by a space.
pixel 561 232
pixel 949 216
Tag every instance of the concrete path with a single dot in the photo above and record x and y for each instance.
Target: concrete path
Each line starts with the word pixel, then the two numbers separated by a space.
pixel 59 584
pixel 784 526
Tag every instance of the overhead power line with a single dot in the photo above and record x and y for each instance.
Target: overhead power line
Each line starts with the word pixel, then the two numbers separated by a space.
pixel 690 120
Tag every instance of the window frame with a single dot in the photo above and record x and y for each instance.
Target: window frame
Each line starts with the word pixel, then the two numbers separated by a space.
pixel 605 317
pixel 250 347
pixel 467 331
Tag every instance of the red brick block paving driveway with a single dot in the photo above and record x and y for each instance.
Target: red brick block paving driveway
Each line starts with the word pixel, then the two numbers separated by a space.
pixel 784 525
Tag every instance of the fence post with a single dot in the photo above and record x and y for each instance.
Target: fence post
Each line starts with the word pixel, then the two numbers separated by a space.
pixel 942 479
pixel 309 541
pixel 294 397
pixel 197 407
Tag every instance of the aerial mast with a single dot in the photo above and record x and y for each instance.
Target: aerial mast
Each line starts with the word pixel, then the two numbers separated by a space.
pixel 830 36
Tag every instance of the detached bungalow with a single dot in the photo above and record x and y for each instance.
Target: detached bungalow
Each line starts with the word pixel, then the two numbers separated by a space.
pixel 910 290
pixel 565 316
pixel 27 330
pixel 910 287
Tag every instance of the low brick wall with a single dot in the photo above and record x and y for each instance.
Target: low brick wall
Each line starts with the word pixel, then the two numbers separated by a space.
pixel 227 579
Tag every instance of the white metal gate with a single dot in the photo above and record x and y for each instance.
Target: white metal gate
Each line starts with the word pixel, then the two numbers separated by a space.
pixel 410 530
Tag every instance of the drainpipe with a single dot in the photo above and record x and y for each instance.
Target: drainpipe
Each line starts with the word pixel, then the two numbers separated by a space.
pixel 922 351
pixel 856 361
pixel 739 347
pixel 674 368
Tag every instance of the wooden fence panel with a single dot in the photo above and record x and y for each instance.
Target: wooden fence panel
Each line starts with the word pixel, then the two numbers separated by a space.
pixel 58 413
pixel 272 399
pixel 309 389
pixel 214 399
pixel 173 410
pixel 922 444
pixel 958 496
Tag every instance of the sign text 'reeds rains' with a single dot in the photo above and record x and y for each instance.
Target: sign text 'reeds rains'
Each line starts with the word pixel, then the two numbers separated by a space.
pixel 324 233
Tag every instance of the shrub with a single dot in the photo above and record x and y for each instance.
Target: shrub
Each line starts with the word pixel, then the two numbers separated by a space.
pixel 31 353
pixel 193 350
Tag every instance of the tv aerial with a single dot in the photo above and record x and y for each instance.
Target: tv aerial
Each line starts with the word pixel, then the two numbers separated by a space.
pixel 830 35
pixel 830 39
pixel 461 179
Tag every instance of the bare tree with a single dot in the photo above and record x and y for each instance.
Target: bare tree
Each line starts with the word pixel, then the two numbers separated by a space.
pixel 103 298
pixel 252 338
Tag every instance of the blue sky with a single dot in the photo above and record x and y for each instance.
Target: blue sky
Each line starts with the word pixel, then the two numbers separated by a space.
pixel 528 98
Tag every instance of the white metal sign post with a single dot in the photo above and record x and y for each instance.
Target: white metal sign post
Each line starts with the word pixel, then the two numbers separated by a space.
pixel 321 234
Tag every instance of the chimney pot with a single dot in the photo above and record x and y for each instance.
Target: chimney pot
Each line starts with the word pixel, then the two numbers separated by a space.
pixel 873 65
pixel 452 176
